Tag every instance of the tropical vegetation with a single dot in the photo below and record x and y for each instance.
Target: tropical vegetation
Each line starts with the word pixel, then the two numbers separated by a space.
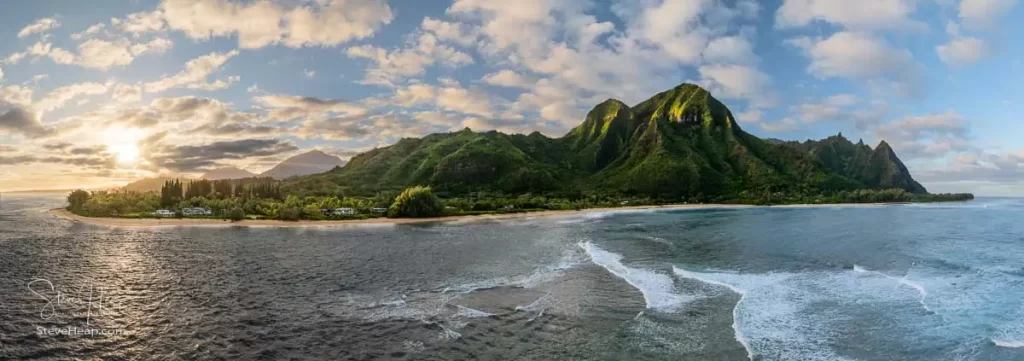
pixel 680 146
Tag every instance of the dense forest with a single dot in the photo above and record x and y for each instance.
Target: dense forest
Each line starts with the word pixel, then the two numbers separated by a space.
pixel 680 146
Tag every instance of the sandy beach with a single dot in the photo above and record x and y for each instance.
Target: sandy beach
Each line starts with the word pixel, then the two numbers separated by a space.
pixel 162 222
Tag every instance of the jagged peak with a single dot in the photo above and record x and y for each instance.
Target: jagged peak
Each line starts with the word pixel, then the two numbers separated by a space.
pixel 613 101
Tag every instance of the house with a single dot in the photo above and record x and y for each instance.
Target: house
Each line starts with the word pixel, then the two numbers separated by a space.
pixel 343 211
pixel 325 211
pixel 163 213
pixel 196 211
pixel 380 210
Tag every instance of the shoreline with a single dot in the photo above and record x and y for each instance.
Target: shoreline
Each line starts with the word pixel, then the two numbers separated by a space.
pixel 165 222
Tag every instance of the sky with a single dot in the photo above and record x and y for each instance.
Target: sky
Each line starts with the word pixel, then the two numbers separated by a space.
pixel 97 93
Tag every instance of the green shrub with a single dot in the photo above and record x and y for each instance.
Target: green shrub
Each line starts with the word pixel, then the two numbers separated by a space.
pixel 289 214
pixel 416 202
pixel 236 214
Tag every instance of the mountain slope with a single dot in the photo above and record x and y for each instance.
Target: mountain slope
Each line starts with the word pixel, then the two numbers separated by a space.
pixel 227 173
pixel 679 143
pixel 311 162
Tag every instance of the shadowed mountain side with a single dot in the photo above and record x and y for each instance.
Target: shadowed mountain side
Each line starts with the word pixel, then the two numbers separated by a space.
pixel 680 143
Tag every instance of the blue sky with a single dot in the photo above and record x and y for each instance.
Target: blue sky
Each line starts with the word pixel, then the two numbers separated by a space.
pixel 102 92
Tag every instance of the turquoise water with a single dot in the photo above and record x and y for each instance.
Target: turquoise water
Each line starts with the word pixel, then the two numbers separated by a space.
pixel 895 282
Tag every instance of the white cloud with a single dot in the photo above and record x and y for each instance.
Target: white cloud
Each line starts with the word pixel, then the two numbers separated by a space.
pixel 963 50
pixel 102 54
pixel 864 57
pixel 141 22
pixel 930 136
pixel 92 30
pixel 1 74
pixel 730 50
pixel 289 107
pixel 983 13
pixel 309 73
pixel 509 79
pixel 458 33
pixel 127 93
pixel 738 82
pixel 857 15
pixel 449 98
pixel 41 26
pixel 56 98
pixel 391 67
pixel 195 73
pixel 261 23
pixel 784 125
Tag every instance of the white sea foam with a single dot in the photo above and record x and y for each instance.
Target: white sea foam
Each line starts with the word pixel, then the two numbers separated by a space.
pixel 1008 343
pixel 739 284
pixel 658 289
pixel 467 312
pixel 903 281
pixel 539 276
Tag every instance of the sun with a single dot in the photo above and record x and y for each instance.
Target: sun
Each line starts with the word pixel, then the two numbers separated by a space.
pixel 123 143
pixel 125 152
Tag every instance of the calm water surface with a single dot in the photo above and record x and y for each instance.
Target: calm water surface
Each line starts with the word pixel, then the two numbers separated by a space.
pixel 900 282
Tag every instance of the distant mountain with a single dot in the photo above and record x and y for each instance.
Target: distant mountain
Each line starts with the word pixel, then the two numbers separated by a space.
pixel 681 143
pixel 227 173
pixel 148 184
pixel 311 162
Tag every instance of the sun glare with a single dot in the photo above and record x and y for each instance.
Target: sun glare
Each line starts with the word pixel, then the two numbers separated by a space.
pixel 125 152
pixel 123 143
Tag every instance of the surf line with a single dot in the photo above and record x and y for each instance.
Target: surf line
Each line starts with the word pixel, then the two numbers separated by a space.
pixel 735 310
pixel 903 281
pixel 658 289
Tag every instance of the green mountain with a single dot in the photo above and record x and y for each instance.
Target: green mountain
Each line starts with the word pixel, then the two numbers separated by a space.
pixel 680 143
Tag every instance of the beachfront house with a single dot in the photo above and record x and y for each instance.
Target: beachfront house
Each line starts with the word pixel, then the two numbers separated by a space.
pixel 343 212
pixel 380 210
pixel 163 213
pixel 196 211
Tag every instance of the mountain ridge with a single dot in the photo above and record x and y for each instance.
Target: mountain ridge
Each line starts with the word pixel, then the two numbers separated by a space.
pixel 680 143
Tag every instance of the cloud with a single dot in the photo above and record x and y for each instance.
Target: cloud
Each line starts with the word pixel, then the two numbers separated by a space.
pixel 784 125
pixel 97 53
pixel 141 22
pixel 962 50
pixel 981 166
pixel 195 73
pixel 21 121
pixel 983 13
pixel 95 162
pixel 1 74
pixel 394 66
pixel 309 73
pixel 127 93
pixel 860 56
pixel 450 98
pixel 730 50
pixel 41 26
pixel 458 33
pixel 926 136
pixel 738 82
pixel 509 79
pixel 262 23
pixel 857 15
pixel 90 31
pixel 289 107
pixel 56 98
pixel 195 158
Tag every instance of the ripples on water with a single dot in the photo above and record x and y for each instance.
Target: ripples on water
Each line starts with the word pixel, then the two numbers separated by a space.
pixel 908 282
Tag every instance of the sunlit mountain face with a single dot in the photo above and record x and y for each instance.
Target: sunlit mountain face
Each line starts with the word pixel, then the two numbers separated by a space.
pixel 100 94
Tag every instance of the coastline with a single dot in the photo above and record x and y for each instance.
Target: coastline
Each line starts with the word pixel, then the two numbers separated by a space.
pixel 165 222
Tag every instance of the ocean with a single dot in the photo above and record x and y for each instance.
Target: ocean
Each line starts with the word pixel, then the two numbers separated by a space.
pixel 941 281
